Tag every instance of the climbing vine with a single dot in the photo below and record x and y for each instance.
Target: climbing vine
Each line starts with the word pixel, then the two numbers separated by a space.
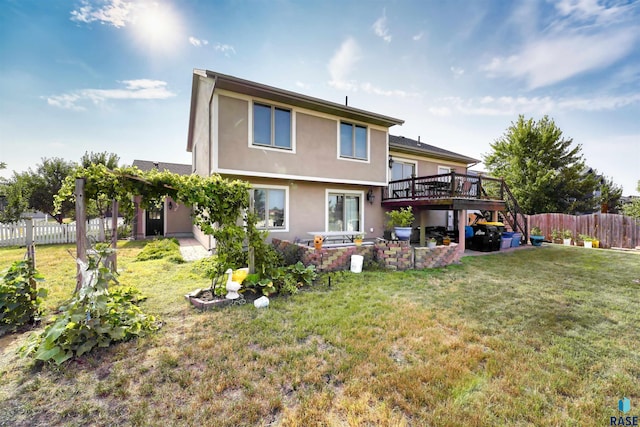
pixel 218 203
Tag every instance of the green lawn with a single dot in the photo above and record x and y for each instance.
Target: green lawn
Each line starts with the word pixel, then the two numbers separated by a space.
pixel 537 337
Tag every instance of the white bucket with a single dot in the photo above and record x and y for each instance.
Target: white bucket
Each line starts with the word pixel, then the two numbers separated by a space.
pixel 261 302
pixel 356 263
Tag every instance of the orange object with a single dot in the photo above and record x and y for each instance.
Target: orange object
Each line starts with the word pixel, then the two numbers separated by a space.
pixel 317 241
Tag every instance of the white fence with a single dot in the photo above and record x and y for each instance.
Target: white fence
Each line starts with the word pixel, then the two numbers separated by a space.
pixel 46 233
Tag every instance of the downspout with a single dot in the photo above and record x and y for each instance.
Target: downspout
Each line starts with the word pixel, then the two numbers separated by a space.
pixel 213 89
pixel 210 142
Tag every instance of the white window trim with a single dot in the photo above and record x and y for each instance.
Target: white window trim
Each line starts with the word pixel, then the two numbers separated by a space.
pixel 342 191
pixel 448 168
pixel 286 205
pixel 251 102
pixel 352 159
pixel 405 160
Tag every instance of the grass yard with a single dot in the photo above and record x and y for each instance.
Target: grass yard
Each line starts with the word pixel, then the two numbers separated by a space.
pixel 535 337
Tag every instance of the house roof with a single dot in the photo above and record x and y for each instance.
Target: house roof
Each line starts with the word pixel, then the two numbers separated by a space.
pixel 147 165
pixel 246 87
pixel 408 145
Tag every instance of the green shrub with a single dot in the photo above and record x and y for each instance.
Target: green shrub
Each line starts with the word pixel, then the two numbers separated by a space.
pixel 168 249
pixel 124 231
pixel 209 267
pixel 19 297
pixel 96 316
pixel 287 280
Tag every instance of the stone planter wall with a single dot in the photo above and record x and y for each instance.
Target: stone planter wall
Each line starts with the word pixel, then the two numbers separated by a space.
pixel 393 255
pixel 325 259
pixel 439 256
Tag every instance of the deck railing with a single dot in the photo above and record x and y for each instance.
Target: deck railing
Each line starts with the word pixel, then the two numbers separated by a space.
pixel 445 186
pixel 458 186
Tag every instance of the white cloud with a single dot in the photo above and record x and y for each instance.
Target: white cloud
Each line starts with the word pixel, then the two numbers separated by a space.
pixel 117 13
pixel 590 10
pixel 301 85
pixel 134 89
pixel 224 48
pixel 198 42
pixel 457 72
pixel 369 88
pixel 510 106
pixel 380 27
pixel 418 36
pixel 342 63
pixel 553 59
pixel 341 66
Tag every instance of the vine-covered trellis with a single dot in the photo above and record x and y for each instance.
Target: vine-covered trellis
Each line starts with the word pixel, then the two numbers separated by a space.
pixel 220 205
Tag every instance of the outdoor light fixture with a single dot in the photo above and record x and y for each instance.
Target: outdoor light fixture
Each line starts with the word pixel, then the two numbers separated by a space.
pixel 390 162
pixel 370 196
pixel 170 205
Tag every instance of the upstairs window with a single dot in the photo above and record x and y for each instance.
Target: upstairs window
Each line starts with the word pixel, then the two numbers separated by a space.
pixel 271 126
pixel 353 141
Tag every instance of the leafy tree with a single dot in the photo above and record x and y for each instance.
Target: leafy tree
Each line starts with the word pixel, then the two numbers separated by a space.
pixel 542 169
pixel 633 209
pixel 45 183
pixel 16 194
pixel 110 160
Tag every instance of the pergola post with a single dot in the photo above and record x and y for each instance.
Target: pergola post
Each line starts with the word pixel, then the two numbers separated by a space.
pixel 81 229
pixel 113 259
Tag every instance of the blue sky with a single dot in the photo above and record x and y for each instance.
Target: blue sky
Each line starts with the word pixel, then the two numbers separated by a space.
pixel 115 75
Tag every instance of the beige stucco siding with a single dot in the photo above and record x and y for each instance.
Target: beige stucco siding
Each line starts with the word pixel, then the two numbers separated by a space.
pixel 202 129
pixel 427 166
pixel 179 221
pixel 314 154
pixel 308 206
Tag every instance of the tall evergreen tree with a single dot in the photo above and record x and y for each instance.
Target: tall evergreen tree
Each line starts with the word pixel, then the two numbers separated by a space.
pixel 542 169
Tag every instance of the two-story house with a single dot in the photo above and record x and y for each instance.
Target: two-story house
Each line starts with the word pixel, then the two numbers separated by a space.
pixel 314 165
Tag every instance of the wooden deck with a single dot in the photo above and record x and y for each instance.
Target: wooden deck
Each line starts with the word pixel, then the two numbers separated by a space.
pixel 450 191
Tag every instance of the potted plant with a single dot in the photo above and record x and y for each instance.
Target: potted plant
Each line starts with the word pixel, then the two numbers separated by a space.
pixel 588 240
pixel 432 242
pixel 555 236
pixel 358 239
pixel 536 237
pixel 567 235
pixel 401 220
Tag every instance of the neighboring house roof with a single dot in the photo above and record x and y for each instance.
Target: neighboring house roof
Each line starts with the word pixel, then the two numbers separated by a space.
pixel 147 165
pixel 400 143
pixel 246 87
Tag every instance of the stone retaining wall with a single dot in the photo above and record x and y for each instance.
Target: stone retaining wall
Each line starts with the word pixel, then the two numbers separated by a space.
pixel 325 259
pixel 393 255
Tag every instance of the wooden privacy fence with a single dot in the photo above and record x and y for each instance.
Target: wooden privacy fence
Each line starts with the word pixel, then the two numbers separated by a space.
pixel 45 233
pixel 613 230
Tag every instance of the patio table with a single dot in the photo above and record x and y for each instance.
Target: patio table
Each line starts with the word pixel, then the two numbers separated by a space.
pixel 336 235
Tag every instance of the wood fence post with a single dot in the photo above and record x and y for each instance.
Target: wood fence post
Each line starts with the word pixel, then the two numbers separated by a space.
pixel 81 230
pixel 31 250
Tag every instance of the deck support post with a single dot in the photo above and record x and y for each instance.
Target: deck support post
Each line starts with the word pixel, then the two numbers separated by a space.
pixel 462 222
pixel 423 225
